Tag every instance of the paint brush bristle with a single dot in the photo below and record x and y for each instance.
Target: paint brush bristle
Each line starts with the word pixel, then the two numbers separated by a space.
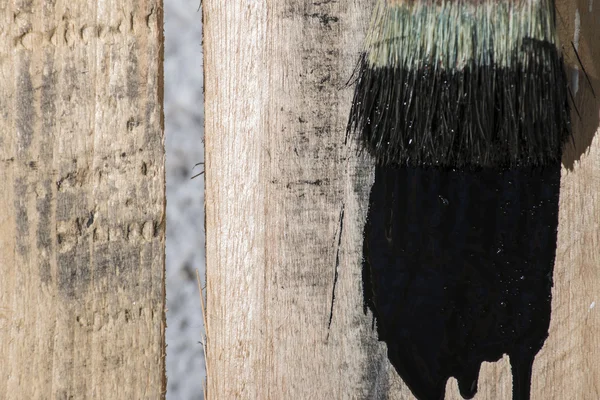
pixel 455 83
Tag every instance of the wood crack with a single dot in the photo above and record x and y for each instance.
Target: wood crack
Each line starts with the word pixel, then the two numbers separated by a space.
pixel 337 264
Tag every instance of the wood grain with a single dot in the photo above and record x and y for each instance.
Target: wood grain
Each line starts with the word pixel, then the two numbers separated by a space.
pixel 286 201
pixel 82 197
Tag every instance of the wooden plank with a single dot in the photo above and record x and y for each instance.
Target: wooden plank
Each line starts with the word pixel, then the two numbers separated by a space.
pixel 569 364
pixel 285 206
pixel 82 197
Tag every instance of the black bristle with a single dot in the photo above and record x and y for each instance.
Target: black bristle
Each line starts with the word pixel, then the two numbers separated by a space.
pixel 479 115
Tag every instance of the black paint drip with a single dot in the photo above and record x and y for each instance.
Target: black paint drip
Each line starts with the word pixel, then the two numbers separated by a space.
pixel 458 270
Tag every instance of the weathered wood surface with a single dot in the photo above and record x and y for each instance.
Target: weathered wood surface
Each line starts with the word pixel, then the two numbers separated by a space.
pixel 286 202
pixel 82 196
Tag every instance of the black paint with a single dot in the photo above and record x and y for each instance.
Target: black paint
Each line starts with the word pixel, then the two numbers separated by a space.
pixel 458 270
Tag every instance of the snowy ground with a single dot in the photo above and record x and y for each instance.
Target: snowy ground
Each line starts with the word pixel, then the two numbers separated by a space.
pixel 184 120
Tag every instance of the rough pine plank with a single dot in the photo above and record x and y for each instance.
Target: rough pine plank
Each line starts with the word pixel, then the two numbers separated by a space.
pixel 286 201
pixel 82 197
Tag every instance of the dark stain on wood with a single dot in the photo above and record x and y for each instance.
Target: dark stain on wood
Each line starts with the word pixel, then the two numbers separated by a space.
pixel 44 243
pixel 21 216
pixel 25 112
pixel 132 76
pixel 74 272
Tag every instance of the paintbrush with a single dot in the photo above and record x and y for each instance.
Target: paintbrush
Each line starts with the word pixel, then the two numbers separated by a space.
pixel 471 82
pixel 463 105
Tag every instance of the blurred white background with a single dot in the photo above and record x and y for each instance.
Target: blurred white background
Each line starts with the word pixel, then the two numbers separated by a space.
pixel 184 121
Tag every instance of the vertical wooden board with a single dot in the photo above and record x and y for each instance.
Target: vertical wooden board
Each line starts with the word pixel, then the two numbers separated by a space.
pixel 82 196
pixel 286 201
pixel 568 366
pixel 285 205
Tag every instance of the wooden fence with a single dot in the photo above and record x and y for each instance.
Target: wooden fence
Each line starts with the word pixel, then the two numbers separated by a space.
pixel 82 197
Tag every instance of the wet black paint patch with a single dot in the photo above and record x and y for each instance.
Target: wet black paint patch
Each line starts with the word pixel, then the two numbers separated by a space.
pixel 458 270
